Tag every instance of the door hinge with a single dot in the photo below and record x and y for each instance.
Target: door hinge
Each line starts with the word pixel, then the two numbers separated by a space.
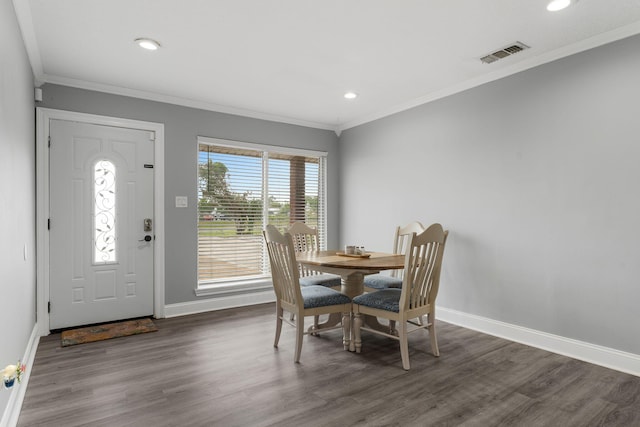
pixel 49 307
pixel 49 141
pixel 48 223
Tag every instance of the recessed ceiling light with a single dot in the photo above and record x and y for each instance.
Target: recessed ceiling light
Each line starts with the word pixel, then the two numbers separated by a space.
pixel 351 95
pixel 555 5
pixel 148 44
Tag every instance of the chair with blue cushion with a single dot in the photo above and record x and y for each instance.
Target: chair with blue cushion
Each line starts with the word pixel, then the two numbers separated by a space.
pixel 416 298
pixel 312 300
pixel 379 281
pixel 305 239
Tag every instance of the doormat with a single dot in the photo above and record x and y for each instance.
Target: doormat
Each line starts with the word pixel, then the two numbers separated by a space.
pixel 107 331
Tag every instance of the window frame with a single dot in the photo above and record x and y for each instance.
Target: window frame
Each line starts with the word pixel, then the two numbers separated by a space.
pixel 257 284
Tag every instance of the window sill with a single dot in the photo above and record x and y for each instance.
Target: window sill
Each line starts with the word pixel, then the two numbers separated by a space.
pixel 234 288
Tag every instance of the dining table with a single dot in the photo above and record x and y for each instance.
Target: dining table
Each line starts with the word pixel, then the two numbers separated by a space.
pixel 351 268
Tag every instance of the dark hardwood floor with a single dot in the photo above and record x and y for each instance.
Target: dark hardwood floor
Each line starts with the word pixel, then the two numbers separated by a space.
pixel 220 369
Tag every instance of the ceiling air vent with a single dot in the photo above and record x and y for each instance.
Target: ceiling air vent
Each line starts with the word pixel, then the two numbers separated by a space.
pixel 504 52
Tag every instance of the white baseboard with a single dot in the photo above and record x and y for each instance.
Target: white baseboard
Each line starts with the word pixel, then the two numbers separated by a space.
pixel 219 303
pixel 12 411
pixel 598 355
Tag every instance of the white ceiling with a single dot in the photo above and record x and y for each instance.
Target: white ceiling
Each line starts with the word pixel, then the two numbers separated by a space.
pixel 292 60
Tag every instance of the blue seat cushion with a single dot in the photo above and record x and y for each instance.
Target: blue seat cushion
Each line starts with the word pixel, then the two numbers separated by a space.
pixel 321 296
pixel 328 280
pixel 386 299
pixel 382 281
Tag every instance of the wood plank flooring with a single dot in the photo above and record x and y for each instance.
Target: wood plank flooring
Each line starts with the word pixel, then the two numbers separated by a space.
pixel 221 369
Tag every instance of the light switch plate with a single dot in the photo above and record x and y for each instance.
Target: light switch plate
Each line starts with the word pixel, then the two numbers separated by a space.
pixel 181 202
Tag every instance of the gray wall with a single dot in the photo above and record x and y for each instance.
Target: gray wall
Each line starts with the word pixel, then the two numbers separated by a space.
pixel 536 177
pixel 182 125
pixel 17 194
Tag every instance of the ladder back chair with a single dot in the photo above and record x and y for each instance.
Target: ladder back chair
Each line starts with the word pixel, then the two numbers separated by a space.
pixel 416 298
pixel 300 301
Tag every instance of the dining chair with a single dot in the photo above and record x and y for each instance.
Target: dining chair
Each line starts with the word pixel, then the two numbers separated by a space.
pixel 394 280
pixel 416 298
pixel 305 239
pixel 301 301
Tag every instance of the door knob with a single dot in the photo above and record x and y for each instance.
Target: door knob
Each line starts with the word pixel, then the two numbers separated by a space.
pixel 147 238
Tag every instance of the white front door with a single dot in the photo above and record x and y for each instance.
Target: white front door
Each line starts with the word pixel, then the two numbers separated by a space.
pixel 101 211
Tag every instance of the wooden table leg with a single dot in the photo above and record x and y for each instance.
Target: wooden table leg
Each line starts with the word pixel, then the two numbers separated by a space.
pixel 332 322
pixel 352 284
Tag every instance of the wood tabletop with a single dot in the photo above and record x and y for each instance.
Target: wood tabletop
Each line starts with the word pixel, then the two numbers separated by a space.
pixel 377 260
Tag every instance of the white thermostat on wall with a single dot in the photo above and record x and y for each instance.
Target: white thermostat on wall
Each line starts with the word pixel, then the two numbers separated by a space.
pixel 181 202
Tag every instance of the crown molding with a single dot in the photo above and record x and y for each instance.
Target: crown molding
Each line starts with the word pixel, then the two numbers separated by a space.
pixel 581 46
pixel 175 100
pixel 25 22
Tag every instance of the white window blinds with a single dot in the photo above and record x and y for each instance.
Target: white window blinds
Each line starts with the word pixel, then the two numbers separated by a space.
pixel 240 190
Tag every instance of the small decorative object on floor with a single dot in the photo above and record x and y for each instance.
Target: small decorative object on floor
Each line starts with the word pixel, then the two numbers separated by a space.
pixel 11 374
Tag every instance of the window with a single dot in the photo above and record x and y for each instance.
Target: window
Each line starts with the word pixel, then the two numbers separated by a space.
pixel 104 212
pixel 241 188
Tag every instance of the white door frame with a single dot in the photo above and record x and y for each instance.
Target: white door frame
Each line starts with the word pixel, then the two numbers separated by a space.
pixel 43 117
